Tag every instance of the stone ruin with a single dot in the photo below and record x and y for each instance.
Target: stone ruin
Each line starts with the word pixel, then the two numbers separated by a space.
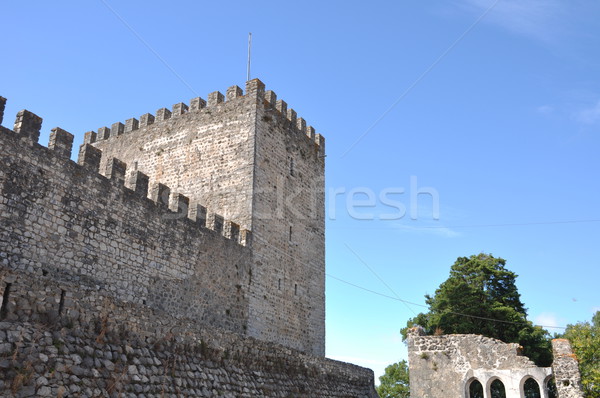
pixel 474 366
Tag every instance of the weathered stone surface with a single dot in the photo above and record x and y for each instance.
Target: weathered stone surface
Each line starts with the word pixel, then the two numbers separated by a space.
pixel 61 220
pixel 446 365
pixel 106 292
pixel 125 349
pixel 245 160
pixel 566 370
pixel 2 107
pixel 27 126
pixel 61 141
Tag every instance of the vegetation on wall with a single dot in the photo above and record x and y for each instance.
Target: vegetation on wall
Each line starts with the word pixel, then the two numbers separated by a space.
pixel 585 341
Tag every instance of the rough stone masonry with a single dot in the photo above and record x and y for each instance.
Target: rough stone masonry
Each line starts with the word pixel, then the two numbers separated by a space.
pixel 250 159
pixel 452 365
pixel 133 272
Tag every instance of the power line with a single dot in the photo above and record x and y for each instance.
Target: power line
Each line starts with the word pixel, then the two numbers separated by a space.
pixel 446 312
pixel 516 224
pixel 397 298
pixel 421 77
pixel 373 291
pixel 478 225
pixel 148 46
pixel 378 277
pixel 424 306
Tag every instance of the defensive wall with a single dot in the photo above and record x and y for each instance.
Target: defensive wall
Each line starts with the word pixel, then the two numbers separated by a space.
pixel 115 285
pixel 67 220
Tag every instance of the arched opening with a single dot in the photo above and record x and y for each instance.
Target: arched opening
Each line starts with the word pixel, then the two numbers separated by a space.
pixel 531 388
pixel 475 389
pixel 497 389
pixel 551 388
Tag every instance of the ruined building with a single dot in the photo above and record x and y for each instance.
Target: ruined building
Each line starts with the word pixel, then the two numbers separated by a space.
pixel 181 255
pixel 474 366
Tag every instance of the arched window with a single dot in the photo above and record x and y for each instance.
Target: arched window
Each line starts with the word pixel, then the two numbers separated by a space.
pixel 551 388
pixel 475 389
pixel 531 388
pixel 497 389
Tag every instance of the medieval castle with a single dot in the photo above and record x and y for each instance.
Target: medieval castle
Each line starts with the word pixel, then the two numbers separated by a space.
pixel 182 255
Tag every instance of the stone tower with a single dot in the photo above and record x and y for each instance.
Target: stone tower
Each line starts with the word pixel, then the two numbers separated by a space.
pixel 250 159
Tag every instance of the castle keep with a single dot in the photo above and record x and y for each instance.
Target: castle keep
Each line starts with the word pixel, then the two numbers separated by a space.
pixel 182 255
pixel 251 160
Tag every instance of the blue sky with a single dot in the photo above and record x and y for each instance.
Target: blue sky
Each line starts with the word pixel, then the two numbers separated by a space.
pixel 494 105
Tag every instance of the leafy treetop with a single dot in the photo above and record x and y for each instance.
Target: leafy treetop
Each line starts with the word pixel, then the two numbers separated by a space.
pixel 585 340
pixel 480 297
pixel 394 382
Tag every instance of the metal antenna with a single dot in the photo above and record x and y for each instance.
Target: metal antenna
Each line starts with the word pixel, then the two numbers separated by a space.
pixel 249 54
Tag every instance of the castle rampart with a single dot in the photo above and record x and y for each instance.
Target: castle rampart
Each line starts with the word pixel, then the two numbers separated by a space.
pixel 116 284
pixel 73 338
pixel 66 219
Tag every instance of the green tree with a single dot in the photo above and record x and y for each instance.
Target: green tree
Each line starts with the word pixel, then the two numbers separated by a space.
pixel 480 296
pixel 585 340
pixel 394 382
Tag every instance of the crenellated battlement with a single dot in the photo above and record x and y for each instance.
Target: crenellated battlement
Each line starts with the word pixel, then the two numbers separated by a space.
pixel 297 124
pixel 158 209
pixel 174 206
pixel 126 259
pixel 255 89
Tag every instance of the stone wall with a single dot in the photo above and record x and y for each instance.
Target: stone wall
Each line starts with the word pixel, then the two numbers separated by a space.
pixel 204 151
pixel 252 160
pixel 445 366
pixel 288 304
pixel 105 292
pixel 566 370
pixel 63 219
pixel 60 339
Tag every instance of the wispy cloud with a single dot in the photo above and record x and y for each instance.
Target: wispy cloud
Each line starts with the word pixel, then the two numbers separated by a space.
pixel 536 19
pixel 441 231
pixel 548 320
pixel 395 338
pixel 588 115
pixel 545 109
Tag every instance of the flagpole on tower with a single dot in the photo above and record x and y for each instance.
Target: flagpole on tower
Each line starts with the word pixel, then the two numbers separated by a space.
pixel 249 54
